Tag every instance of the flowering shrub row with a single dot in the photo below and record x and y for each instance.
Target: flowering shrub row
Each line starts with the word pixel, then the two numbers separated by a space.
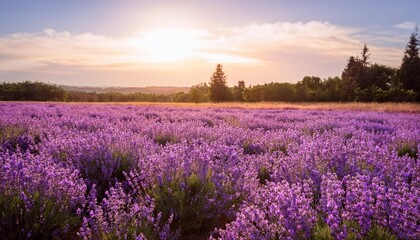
pixel 138 172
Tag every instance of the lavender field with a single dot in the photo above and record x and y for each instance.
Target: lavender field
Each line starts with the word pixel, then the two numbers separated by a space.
pixel 74 171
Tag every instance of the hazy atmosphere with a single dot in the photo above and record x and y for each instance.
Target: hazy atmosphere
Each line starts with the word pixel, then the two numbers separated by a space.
pixel 217 120
pixel 163 43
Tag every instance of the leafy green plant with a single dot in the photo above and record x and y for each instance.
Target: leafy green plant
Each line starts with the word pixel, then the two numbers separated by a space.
pixel 321 231
pixel 353 230
pixel 188 199
pixel 124 162
pixel 379 233
pixel 105 169
pixel 10 132
pixel 131 229
pixel 164 139
pixel 281 147
pixel 36 217
pixel 263 175
pixel 251 149
pixel 408 149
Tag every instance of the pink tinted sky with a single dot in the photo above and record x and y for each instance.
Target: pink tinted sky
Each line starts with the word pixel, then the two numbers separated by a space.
pixel 160 43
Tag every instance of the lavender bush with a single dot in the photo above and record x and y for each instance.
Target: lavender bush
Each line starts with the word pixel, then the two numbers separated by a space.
pixel 74 171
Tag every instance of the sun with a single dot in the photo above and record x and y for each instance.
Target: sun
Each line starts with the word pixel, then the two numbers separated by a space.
pixel 169 45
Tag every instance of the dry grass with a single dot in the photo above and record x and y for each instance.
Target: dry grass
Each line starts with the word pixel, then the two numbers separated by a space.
pixel 377 107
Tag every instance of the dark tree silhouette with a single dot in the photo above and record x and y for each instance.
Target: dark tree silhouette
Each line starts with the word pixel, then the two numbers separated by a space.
pixel 350 77
pixel 363 81
pixel 219 90
pixel 410 66
pixel 365 56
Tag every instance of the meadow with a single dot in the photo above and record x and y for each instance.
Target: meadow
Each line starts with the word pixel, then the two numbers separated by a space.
pixel 216 171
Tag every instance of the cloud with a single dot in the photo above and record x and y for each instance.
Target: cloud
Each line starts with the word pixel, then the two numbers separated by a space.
pixel 291 42
pixel 321 37
pixel 405 25
pixel 279 51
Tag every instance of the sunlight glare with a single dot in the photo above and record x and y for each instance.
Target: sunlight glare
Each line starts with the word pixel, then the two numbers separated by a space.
pixel 169 45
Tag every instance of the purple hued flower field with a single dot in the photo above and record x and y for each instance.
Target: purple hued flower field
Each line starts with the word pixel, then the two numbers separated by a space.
pixel 80 171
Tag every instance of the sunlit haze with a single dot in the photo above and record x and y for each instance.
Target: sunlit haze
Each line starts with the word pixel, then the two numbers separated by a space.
pixel 179 43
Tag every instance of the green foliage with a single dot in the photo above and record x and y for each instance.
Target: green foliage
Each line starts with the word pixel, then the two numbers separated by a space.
pixel 379 233
pixel 42 219
pixel 408 149
pixel 280 147
pixel 375 232
pixel 187 198
pixel 254 94
pixel 331 89
pixel 263 175
pixel 309 89
pixel 164 139
pixel 131 229
pixel 251 149
pixel 199 93
pixel 238 91
pixel 321 231
pixel 104 169
pixel 351 77
pixel 77 96
pixel 353 230
pixel 380 95
pixel 124 162
pixel 11 133
pixel 31 91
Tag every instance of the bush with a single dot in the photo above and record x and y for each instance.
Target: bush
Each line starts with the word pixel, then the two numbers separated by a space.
pixel 263 175
pixel 163 139
pixel 252 149
pixel 407 149
pixel 35 216
pixel 189 198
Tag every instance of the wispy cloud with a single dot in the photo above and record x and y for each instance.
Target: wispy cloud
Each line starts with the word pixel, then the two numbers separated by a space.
pixel 282 50
pixel 405 25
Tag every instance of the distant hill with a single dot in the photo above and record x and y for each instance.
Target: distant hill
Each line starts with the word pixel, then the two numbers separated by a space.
pixel 127 90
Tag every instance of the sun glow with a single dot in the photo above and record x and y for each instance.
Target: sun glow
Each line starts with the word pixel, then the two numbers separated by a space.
pixel 170 45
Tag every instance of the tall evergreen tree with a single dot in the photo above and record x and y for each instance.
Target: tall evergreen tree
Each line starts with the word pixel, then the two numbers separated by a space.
pixel 363 81
pixel 219 90
pixel 357 82
pixel 365 56
pixel 350 77
pixel 410 66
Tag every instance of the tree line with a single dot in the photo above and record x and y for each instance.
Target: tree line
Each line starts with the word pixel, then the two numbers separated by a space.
pixel 39 91
pixel 360 81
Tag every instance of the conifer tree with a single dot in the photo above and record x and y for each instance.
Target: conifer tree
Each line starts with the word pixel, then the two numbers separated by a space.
pixel 410 66
pixel 219 90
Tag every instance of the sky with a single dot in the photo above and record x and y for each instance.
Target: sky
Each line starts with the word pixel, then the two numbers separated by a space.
pixel 178 43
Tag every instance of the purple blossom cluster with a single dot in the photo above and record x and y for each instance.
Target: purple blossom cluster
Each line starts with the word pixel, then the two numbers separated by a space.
pixel 274 211
pixel 139 172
